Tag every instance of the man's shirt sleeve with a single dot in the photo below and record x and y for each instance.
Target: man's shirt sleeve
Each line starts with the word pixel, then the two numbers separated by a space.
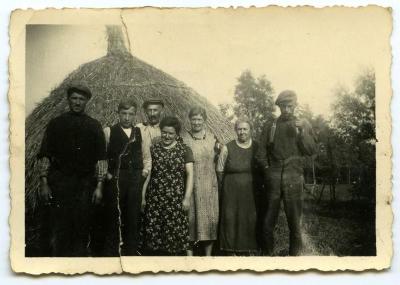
pixel 261 153
pixel 101 170
pixel 45 147
pixel 146 144
pixel 44 155
pixel 101 165
pixel 101 143
pixel 43 165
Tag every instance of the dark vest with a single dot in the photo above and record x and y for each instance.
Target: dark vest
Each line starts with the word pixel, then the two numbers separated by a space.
pixel 127 153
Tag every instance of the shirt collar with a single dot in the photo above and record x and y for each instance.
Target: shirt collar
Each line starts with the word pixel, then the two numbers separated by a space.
pixel 152 126
pixel 244 145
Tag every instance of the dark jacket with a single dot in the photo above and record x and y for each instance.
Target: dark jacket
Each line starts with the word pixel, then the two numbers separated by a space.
pixel 285 144
pixel 73 143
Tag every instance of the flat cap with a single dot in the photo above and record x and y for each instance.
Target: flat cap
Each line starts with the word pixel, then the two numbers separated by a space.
pixel 80 89
pixel 153 101
pixel 286 97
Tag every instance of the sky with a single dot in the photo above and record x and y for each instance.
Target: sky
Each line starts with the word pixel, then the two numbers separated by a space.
pixel 310 52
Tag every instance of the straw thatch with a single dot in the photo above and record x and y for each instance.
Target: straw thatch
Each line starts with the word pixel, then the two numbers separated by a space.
pixel 113 77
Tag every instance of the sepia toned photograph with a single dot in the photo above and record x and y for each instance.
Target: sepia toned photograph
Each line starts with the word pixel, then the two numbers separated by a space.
pixel 200 139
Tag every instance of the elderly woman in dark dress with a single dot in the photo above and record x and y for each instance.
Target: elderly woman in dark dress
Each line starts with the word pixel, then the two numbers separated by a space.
pixel 167 193
pixel 235 170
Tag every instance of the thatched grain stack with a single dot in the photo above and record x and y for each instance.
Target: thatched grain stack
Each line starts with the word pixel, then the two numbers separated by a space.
pixel 113 77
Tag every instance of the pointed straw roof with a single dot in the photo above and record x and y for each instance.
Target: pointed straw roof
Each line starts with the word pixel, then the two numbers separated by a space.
pixel 111 78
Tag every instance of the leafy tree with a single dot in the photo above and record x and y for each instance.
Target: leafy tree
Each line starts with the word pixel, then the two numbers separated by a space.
pixel 254 98
pixel 304 112
pixel 354 112
pixel 354 125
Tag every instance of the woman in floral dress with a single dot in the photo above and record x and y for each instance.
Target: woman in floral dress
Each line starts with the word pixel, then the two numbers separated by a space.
pixel 167 197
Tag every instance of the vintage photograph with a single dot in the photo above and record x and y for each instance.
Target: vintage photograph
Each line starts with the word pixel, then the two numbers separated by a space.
pixel 237 134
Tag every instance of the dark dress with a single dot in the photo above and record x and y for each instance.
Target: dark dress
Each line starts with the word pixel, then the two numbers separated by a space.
pixel 238 215
pixel 166 226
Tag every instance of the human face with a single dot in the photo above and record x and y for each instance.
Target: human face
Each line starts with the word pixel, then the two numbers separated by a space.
pixel 126 117
pixel 77 102
pixel 287 109
pixel 243 132
pixel 197 123
pixel 153 113
pixel 168 135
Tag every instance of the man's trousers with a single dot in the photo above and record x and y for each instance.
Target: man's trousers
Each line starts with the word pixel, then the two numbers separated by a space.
pixel 283 183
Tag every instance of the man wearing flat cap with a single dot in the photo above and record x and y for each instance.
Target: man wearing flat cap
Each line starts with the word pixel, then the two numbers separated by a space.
pixel 284 143
pixel 72 165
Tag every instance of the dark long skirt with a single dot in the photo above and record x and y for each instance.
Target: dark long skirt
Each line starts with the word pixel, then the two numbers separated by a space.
pixel 238 214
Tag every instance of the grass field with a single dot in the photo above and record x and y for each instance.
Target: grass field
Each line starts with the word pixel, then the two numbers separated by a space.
pixel 343 228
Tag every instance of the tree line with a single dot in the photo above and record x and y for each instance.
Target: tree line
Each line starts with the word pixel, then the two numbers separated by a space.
pixel 346 139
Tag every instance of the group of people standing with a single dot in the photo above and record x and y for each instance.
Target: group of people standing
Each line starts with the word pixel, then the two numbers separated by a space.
pixel 165 192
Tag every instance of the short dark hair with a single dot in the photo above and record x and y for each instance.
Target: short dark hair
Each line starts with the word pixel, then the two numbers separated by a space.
pixel 197 110
pixel 126 104
pixel 170 121
pixel 80 89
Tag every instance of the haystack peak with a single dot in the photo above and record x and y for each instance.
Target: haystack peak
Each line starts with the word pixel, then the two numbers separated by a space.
pixel 115 39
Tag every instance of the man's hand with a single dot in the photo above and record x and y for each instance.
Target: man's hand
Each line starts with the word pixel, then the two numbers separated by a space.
pixel 109 176
pixel 45 191
pixel 186 204
pixel 145 172
pixel 299 125
pixel 98 194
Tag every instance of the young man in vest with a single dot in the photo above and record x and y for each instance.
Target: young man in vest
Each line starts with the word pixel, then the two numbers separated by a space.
pixel 284 143
pixel 72 150
pixel 129 163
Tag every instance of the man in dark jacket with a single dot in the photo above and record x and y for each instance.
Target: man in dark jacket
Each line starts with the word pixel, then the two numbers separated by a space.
pixel 72 161
pixel 284 143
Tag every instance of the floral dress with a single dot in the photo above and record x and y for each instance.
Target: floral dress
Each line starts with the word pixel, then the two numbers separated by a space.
pixel 166 226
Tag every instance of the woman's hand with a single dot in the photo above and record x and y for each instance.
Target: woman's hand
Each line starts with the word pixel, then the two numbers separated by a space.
pixel 143 205
pixel 145 173
pixel 186 204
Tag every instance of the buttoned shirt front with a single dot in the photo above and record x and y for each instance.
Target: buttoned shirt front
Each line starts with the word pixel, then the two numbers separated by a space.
pixel 150 132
